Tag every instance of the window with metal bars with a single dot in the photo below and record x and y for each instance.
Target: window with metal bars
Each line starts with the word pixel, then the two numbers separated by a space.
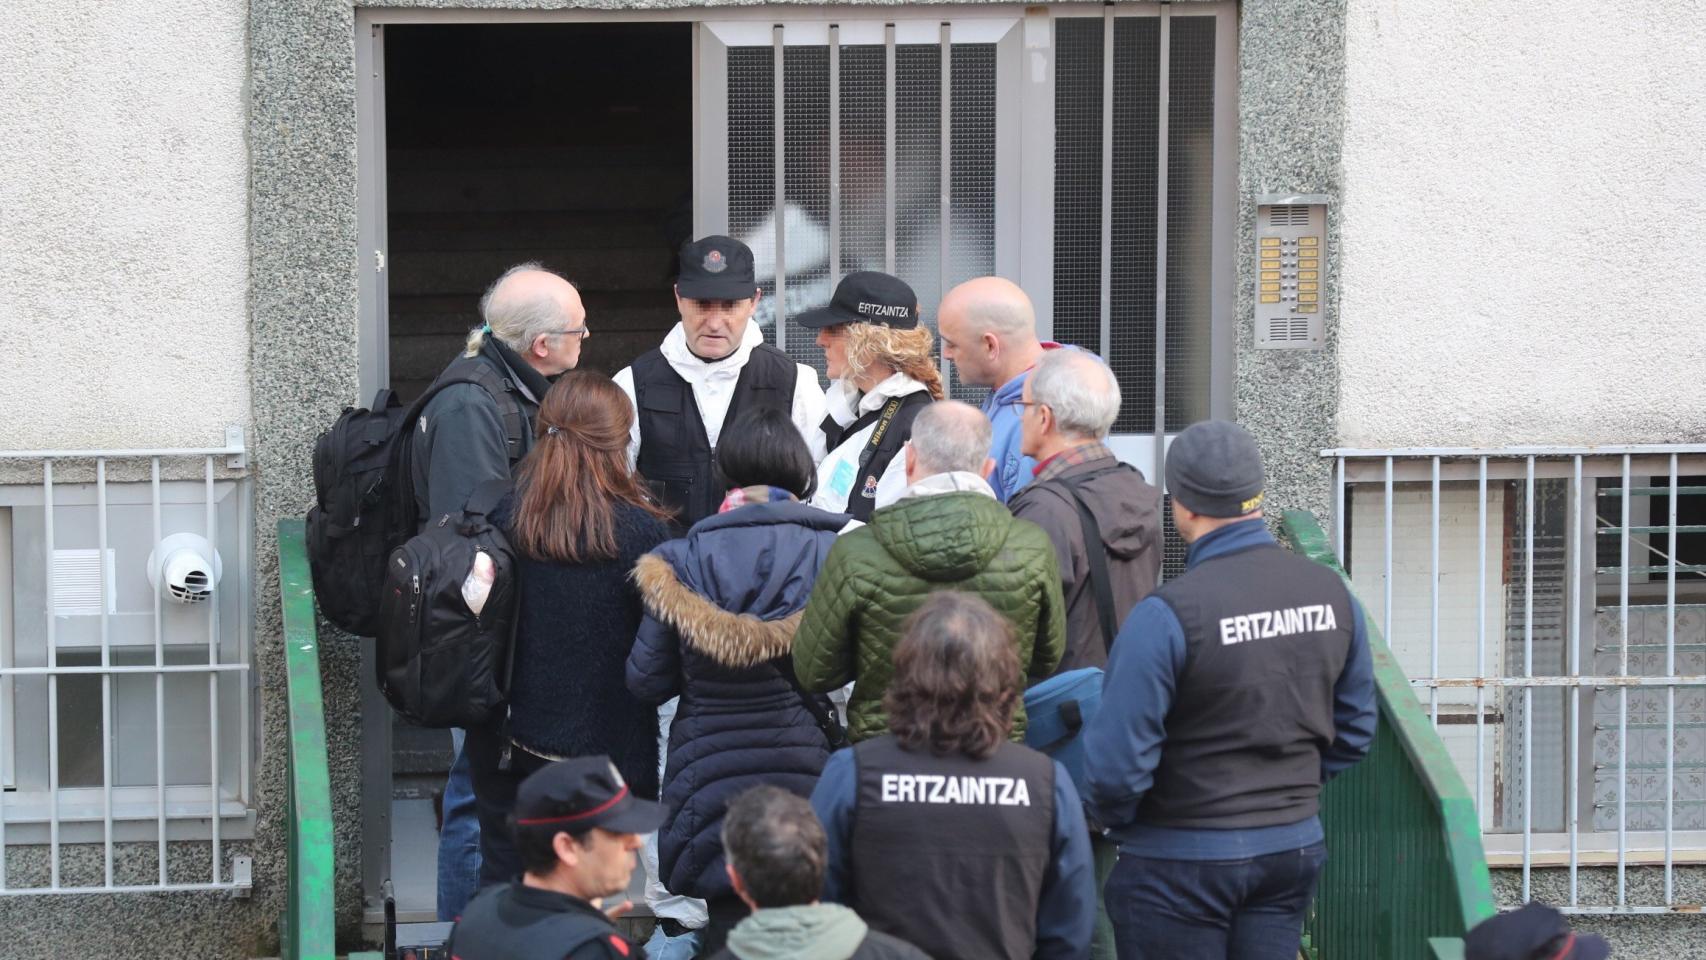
pixel 125 707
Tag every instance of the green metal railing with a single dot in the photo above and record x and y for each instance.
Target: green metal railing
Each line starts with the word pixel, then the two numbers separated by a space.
pixel 1406 875
pixel 308 929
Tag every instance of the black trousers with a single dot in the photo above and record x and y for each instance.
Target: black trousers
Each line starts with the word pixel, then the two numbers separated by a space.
pixel 494 801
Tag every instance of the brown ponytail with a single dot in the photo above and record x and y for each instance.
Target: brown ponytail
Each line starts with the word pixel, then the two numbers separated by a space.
pixel 577 473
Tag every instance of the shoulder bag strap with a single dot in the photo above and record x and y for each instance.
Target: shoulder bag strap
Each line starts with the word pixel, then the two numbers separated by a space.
pixel 833 732
pixel 1101 581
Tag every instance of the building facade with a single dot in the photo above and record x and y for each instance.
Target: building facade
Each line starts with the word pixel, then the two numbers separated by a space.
pixel 221 222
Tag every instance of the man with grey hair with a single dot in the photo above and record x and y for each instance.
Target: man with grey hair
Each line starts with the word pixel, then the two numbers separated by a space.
pixel 777 856
pixel 946 532
pixel 533 324
pixel 989 331
pixel 1103 516
pixel 474 430
pixel 1104 520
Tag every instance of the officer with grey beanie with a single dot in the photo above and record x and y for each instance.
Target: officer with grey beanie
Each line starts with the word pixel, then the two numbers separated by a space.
pixel 1232 693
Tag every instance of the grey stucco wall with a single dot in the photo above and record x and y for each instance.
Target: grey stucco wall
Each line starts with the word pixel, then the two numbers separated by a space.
pixel 122 221
pixel 124 199
pixel 303 341
pixel 1291 95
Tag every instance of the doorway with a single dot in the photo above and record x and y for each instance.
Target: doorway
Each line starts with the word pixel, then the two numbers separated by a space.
pixel 565 143
pixel 569 144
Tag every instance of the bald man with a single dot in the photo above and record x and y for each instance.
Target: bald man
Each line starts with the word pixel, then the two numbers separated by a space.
pixel 989 331
pixel 478 430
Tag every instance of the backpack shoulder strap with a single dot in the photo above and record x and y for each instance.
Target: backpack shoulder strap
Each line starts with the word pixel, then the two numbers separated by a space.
pixel 503 391
pixel 485 497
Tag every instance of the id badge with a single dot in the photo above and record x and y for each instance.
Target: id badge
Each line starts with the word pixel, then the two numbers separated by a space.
pixel 841 481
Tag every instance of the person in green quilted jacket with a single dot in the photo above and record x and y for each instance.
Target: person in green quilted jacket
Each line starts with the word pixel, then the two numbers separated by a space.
pixel 946 532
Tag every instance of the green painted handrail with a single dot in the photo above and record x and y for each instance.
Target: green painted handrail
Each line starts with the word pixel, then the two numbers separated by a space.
pixel 1405 861
pixel 308 929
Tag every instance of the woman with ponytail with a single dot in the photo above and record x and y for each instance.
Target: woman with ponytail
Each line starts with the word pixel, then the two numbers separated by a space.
pixel 578 519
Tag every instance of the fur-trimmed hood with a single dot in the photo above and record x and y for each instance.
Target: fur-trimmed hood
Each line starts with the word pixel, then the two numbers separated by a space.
pixel 734 586
pixel 732 639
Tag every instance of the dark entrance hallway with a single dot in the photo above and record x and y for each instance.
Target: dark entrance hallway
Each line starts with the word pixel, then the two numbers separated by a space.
pixel 570 144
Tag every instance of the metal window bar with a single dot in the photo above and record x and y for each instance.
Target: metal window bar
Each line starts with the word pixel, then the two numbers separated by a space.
pixel 780 201
pixel 1163 103
pixel 834 155
pixel 890 211
pixel 160 812
pixel 1384 498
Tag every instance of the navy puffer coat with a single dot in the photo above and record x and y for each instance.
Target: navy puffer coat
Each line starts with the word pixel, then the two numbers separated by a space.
pixel 721 607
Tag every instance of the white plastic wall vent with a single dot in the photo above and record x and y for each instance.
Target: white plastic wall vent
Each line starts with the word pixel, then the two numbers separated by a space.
pixel 184 568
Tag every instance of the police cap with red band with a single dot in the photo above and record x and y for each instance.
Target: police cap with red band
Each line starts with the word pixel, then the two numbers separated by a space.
pixel 581 793
pixel 1533 932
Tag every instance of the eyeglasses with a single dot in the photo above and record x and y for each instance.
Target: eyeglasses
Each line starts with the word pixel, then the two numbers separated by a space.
pixel 1022 404
pixel 581 332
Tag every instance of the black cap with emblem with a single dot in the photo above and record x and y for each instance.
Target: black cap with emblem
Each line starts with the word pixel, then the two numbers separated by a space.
pixel 716 268
pixel 867 297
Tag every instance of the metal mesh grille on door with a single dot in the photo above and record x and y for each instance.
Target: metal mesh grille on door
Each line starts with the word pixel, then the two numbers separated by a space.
pixel 1111 307
pixel 886 213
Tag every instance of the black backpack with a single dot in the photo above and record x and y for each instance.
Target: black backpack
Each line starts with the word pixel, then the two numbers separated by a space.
pixel 364 504
pixel 438 663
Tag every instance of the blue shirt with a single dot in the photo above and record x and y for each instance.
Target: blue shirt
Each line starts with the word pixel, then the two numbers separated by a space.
pixel 1122 743
pixel 1067 911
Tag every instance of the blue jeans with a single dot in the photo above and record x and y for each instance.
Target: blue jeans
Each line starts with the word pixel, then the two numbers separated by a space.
pixel 662 946
pixel 1208 909
pixel 458 839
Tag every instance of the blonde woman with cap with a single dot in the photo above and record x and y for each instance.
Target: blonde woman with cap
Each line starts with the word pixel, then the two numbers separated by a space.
pixel 882 372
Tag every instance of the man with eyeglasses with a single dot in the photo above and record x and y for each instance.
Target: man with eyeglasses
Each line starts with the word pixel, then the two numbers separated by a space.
pixel 469 433
pixel 711 366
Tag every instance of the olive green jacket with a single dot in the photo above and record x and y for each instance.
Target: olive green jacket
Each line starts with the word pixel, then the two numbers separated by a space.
pixel 877 575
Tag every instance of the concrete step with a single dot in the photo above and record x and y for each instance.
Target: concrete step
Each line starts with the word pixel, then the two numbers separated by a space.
pixel 621 187
pixel 651 308
pixel 417 750
pixel 638 228
pixel 464 272
pixel 611 151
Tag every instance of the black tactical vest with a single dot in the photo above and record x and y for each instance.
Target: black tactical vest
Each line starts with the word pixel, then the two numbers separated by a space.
pixel 493 927
pixel 1266 637
pixel 862 498
pixel 931 832
pixel 675 456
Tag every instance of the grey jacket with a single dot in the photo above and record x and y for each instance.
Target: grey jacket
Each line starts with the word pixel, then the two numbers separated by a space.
pixel 1128 517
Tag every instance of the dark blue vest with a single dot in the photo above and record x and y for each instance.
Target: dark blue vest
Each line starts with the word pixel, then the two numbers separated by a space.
pixel 1266 637
pixel 949 853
